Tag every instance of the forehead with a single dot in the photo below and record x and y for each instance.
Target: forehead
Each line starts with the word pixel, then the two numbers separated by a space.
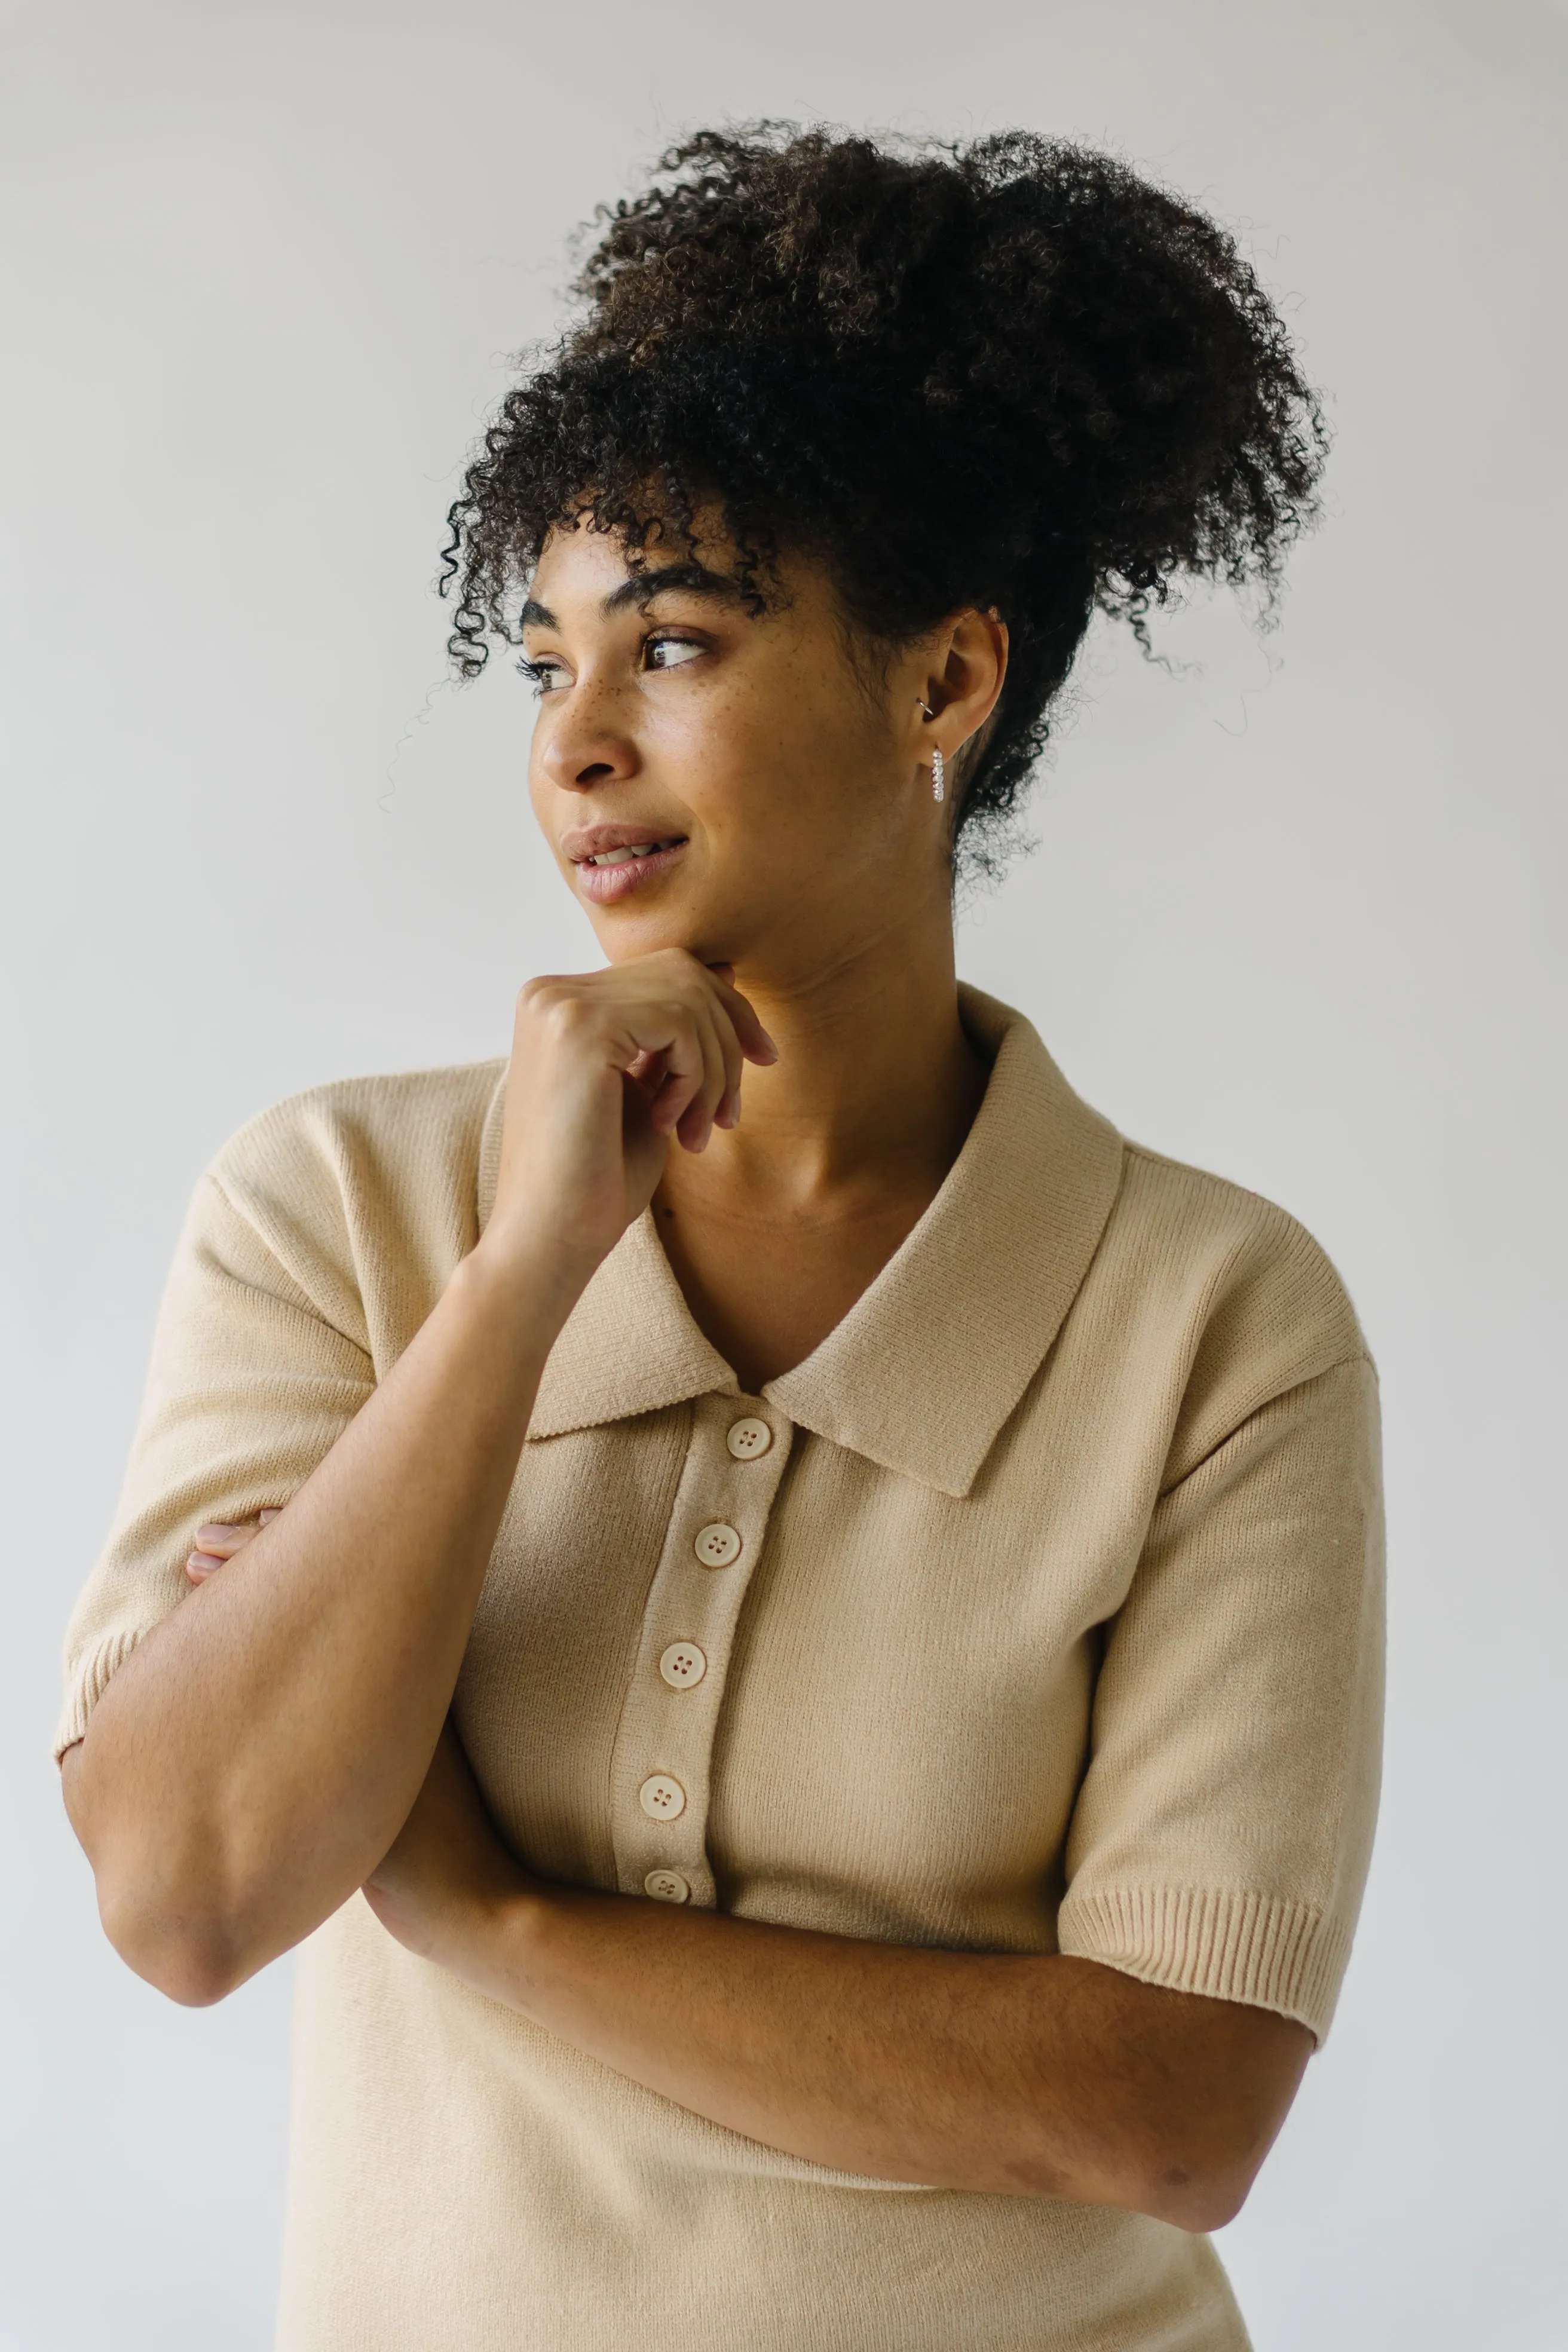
pixel 578 558
pixel 577 562
pixel 583 574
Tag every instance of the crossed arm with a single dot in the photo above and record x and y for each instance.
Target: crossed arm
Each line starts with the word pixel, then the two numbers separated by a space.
pixel 1010 2073
pixel 1021 2076
pixel 278 1742
pixel 1018 2074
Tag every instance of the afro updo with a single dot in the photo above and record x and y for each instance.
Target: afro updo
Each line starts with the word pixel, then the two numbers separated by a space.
pixel 1011 375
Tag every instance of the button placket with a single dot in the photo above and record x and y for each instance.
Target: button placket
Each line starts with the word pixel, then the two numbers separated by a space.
pixel 664 1744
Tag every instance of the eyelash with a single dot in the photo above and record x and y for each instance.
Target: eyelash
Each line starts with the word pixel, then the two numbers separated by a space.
pixel 537 672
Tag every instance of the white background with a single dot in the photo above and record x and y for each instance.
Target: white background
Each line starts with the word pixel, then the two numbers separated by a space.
pixel 1294 918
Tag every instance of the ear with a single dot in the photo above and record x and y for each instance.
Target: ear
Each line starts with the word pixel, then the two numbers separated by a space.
pixel 967 668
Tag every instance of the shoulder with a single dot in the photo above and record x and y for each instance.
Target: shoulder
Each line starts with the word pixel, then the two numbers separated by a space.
pixel 407 1124
pixel 1250 1304
pixel 361 1175
pixel 1233 1241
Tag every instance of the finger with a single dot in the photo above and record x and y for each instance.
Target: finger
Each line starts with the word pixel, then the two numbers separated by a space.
pixel 755 1043
pixel 223 1538
pixel 696 1126
pixel 217 1540
pixel 728 1111
pixel 686 1069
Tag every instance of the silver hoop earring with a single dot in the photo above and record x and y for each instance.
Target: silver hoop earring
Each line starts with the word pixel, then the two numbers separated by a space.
pixel 938 764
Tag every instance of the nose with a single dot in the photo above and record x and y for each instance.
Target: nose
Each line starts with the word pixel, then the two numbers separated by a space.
pixel 583 745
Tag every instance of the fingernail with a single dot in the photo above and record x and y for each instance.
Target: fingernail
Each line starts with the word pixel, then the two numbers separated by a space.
pixel 276 1514
pixel 201 1564
pixel 219 1530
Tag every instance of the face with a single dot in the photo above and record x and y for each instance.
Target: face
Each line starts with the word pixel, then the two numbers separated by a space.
pixel 730 783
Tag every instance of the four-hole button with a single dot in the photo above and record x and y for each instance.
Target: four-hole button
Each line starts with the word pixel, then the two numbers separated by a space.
pixel 749 1438
pixel 665 1886
pixel 716 1544
pixel 683 1665
pixel 662 1799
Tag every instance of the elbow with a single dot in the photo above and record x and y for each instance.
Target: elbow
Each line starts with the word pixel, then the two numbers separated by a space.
pixel 189 1960
pixel 155 1903
pixel 1184 2180
pixel 1195 2156
pixel 1202 2186
pixel 1200 2202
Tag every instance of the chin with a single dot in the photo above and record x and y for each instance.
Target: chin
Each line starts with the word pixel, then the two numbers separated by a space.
pixel 624 936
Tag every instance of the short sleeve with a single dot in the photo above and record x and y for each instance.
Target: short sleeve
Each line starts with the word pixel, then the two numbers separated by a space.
pixel 1221 1837
pixel 257 1370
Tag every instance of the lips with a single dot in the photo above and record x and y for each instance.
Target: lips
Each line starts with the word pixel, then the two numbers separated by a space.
pixel 613 860
pixel 639 849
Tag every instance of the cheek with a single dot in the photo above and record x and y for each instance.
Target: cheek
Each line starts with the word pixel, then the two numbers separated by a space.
pixel 741 761
pixel 540 792
pixel 545 798
pixel 809 771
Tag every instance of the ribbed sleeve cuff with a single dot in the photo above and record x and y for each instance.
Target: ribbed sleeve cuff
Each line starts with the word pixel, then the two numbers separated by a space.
pixel 1229 1944
pixel 89 1681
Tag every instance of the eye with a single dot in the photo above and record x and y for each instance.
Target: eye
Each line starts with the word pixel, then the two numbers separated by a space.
pixel 670 653
pixel 543 674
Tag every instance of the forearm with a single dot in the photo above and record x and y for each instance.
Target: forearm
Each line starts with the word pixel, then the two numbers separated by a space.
pixel 1014 2074
pixel 254 1758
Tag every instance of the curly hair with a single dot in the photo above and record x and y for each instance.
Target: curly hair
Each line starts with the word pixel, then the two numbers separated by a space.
pixel 1011 375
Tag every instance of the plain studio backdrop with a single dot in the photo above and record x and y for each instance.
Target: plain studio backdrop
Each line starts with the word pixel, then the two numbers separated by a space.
pixel 1293 916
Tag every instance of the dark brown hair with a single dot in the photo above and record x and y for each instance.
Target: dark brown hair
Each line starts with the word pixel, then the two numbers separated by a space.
pixel 1012 374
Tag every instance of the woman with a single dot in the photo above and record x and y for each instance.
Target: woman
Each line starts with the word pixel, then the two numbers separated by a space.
pixel 841 1645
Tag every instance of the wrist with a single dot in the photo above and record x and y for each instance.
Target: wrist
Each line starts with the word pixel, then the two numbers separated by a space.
pixel 540 1280
pixel 501 1949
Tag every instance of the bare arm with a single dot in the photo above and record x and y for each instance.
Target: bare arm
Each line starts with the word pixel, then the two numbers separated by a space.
pixel 259 1749
pixel 256 1756
pixel 1010 2073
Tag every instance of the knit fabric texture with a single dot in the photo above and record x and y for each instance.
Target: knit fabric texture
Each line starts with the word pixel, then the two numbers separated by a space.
pixel 1048 1619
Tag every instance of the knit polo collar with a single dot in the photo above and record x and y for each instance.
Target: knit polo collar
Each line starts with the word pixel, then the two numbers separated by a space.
pixel 930 1361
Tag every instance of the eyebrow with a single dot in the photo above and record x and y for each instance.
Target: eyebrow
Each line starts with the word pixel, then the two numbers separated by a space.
pixel 640 588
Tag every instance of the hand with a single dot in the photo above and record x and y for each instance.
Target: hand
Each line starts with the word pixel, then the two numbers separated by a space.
pixel 606 1067
pixel 218 1539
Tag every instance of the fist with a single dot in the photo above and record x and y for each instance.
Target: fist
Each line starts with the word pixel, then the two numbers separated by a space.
pixel 607 1067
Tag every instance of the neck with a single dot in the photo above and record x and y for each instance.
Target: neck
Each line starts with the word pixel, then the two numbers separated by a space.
pixel 873 1093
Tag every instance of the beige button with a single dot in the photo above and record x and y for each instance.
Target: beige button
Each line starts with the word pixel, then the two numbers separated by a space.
pixel 717 1544
pixel 749 1438
pixel 682 1666
pixel 665 1886
pixel 662 1799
